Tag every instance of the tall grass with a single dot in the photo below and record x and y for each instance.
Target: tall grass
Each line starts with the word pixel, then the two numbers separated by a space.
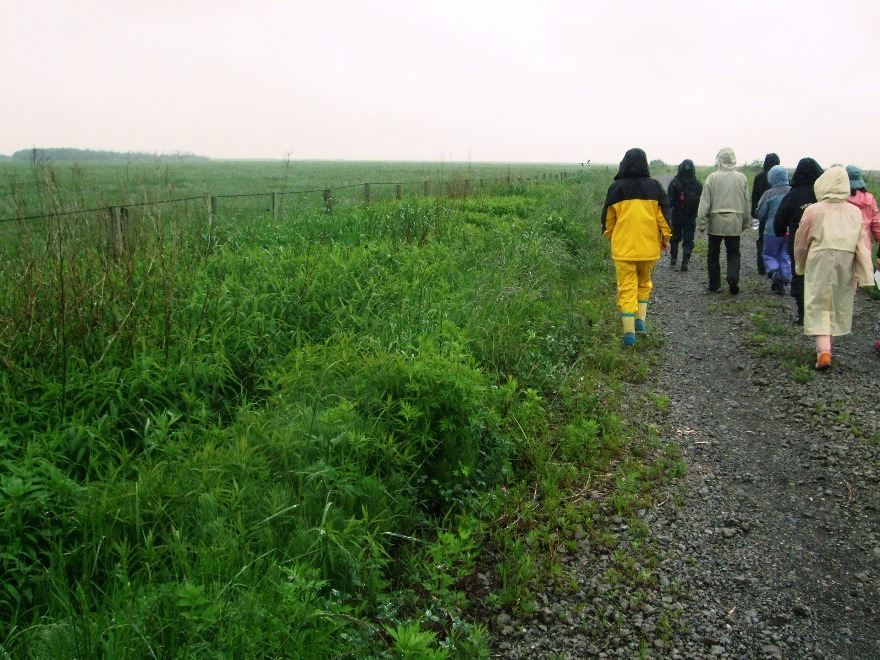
pixel 296 439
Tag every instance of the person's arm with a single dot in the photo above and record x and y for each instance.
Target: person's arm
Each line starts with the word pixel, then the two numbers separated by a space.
pixel 875 218
pixel 780 220
pixel 663 212
pixel 756 192
pixel 746 208
pixel 705 206
pixel 605 209
pixel 609 220
pixel 763 208
pixel 802 240
pixel 864 267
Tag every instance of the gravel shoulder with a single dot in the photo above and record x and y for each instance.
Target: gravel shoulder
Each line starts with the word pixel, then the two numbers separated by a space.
pixel 769 546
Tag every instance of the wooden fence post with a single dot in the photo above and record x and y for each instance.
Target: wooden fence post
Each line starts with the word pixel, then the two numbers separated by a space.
pixel 124 233
pixel 398 191
pixel 367 193
pixel 467 187
pixel 211 206
pixel 427 188
pixel 328 200
pixel 276 206
pixel 115 243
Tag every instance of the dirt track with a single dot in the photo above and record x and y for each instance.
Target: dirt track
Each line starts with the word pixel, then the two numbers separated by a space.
pixel 769 547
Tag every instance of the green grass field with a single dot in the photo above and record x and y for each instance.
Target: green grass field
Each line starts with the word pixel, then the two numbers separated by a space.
pixel 244 436
pixel 114 184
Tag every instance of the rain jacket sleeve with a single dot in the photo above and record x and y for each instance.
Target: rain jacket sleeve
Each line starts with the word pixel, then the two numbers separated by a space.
pixel 864 264
pixel 783 213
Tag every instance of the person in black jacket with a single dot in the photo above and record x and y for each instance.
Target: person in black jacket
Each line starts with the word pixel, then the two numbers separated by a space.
pixel 759 187
pixel 788 219
pixel 684 200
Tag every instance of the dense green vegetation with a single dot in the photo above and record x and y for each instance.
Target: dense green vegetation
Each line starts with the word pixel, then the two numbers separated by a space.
pixel 236 436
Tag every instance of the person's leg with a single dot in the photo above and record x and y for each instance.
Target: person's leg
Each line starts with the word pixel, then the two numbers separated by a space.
pixel 759 245
pixel 731 246
pixel 797 284
pixel 673 243
pixel 713 263
pixel 643 272
pixel 771 262
pixel 687 244
pixel 784 262
pixel 627 298
pixel 823 351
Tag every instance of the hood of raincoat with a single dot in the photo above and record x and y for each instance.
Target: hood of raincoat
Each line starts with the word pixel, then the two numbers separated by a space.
pixel 833 185
pixel 726 159
pixel 687 170
pixel 856 179
pixel 806 172
pixel 777 176
pixel 770 160
pixel 634 164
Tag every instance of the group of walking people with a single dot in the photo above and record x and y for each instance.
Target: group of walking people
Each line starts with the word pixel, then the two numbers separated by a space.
pixel 814 235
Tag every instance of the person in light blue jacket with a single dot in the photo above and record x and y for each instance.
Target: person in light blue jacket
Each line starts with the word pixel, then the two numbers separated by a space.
pixel 777 261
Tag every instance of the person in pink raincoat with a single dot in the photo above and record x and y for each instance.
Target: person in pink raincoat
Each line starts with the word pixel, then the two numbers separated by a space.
pixel 867 204
pixel 830 251
pixel 864 201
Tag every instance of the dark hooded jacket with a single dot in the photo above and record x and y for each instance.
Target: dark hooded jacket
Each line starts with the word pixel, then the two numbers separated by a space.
pixel 684 183
pixel 635 211
pixel 760 185
pixel 801 195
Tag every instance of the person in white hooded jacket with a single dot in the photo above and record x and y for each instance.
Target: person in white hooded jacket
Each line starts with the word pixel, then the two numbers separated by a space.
pixel 726 211
pixel 830 251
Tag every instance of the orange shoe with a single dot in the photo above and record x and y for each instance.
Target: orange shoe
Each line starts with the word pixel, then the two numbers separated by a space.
pixel 823 361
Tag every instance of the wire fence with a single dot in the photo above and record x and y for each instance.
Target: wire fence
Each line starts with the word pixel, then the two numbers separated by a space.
pixel 272 201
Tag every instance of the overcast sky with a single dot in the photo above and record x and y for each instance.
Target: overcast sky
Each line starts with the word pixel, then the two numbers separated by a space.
pixel 480 80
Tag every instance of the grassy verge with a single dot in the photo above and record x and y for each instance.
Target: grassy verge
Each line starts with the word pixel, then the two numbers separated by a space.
pixel 308 439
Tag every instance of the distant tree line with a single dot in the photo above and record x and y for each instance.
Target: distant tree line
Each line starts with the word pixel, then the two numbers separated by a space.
pixel 83 155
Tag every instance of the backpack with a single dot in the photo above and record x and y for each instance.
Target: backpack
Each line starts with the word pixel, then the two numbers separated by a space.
pixel 688 202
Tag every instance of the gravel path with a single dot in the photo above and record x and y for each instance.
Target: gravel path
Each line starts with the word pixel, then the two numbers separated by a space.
pixel 769 547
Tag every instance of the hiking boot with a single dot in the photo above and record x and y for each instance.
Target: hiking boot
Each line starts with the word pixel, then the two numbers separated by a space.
pixel 684 261
pixel 629 339
pixel 823 361
pixel 734 288
pixel 777 286
pixel 640 325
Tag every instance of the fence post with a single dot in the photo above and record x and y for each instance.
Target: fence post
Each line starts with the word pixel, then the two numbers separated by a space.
pixel 115 244
pixel 367 193
pixel 427 188
pixel 211 206
pixel 276 206
pixel 398 191
pixel 124 234
pixel 328 200
pixel 467 187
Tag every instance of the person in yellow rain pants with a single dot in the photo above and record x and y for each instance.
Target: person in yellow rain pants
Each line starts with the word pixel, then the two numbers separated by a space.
pixel 634 220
